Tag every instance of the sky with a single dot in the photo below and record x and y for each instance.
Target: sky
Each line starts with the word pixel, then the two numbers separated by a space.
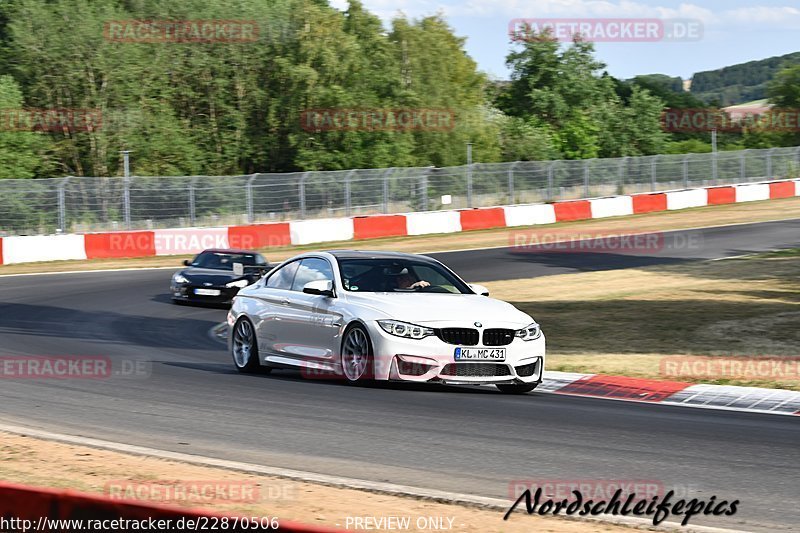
pixel 727 31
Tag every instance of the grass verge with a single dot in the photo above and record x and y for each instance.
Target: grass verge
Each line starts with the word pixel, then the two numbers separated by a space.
pixel 50 464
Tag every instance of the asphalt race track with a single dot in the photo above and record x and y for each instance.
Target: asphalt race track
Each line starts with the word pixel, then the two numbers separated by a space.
pixel 667 248
pixel 466 440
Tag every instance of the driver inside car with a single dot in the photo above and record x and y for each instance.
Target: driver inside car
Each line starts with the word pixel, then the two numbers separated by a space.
pixel 406 281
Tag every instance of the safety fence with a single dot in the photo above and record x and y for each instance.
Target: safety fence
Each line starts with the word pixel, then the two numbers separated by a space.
pixel 183 241
pixel 77 205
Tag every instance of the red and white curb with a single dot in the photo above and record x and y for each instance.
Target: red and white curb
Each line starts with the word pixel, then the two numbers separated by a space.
pixel 726 397
pixel 185 241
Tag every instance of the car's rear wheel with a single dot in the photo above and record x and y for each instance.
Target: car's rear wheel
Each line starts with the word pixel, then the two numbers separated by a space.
pixel 517 388
pixel 244 348
pixel 356 357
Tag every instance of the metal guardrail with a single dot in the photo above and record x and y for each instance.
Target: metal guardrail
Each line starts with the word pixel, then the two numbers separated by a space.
pixel 75 205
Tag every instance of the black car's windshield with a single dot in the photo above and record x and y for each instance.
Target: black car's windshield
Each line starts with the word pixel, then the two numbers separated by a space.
pixel 398 275
pixel 225 260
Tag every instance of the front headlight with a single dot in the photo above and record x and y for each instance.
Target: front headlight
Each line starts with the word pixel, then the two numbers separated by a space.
pixel 180 279
pixel 530 333
pixel 404 329
pixel 241 284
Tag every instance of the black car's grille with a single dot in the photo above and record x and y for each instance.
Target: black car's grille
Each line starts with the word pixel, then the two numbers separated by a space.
pixel 460 336
pixel 475 370
pixel 498 337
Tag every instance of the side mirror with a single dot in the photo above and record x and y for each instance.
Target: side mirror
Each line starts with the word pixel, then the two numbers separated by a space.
pixel 479 289
pixel 320 287
pixel 238 269
pixel 187 263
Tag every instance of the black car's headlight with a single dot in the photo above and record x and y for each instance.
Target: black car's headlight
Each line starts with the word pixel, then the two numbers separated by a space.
pixel 240 284
pixel 404 329
pixel 530 333
pixel 180 279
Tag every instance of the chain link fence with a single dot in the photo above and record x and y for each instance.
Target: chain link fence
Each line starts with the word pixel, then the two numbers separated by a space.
pixel 75 205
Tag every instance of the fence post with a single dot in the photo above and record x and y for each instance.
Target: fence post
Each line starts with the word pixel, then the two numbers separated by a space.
pixel 797 156
pixel 653 173
pixel 302 193
pixel 586 178
pixel 385 179
pixel 424 185
pixel 250 213
pixel 742 166
pixel 769 163
pixel 686 170
pixel 62 205
pixel 622 165
pixel 348 201
pixel 191 201
pixel 714 169
pixel 511 182
pixel 469 185
pixel 550 170
pixel 126 201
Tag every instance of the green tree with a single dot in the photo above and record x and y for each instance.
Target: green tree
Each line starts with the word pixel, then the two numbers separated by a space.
pixel 565 90
pixel 784 90
pixel 22 153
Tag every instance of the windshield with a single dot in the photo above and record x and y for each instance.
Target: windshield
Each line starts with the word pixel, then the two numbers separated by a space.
pixel 225 261
pixel 398 275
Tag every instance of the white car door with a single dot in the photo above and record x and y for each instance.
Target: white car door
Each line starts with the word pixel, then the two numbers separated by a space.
pixel 316 335
pixel 276 313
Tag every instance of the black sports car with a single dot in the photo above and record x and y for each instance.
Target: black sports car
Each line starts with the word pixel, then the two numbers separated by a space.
pixel 216 276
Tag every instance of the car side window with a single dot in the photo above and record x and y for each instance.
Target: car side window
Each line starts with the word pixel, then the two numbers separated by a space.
pixel 312 269
pixel 283 278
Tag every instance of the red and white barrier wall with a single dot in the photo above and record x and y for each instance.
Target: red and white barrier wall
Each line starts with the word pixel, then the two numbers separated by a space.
pixel 257 236
pixel 40 509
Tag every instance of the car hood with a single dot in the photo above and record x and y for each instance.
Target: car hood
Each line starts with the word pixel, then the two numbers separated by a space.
pixel 442 309
pixel 210 275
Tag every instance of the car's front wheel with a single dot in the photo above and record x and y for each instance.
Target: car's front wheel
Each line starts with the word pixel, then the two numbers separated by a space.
pixel 356 357
pixel 517 388
pixel 244 348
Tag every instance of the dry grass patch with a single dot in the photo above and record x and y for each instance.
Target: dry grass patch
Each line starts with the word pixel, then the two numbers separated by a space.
pixel 42 463
pixel 625 321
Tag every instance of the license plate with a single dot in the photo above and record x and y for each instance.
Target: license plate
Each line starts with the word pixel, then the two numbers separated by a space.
pixel 207 292
pixel 480 354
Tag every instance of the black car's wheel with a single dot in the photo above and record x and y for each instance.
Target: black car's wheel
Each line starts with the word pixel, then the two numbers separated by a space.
pixel 356 356
pixel 244 348
pixel 517 388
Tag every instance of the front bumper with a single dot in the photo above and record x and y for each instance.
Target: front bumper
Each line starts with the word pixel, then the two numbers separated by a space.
pixel 433 360
pixel 186 293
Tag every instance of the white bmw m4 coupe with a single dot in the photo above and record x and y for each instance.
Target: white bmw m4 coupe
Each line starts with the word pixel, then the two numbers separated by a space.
pixel 361 315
